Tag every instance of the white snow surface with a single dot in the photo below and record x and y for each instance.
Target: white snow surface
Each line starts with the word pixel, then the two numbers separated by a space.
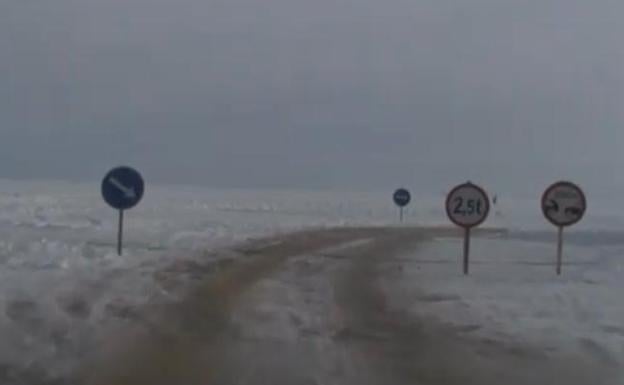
pixel 61 282
pixel 514 296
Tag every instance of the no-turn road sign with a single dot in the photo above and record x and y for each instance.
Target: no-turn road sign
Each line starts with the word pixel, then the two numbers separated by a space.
pixel 564 204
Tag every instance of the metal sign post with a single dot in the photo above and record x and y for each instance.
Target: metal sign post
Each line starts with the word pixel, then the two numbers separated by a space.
pixel 559 249
pixel 402 198
pixel 122 189
pixel 563 205
pixel 466 250
pixel 120 233
pixel 467 206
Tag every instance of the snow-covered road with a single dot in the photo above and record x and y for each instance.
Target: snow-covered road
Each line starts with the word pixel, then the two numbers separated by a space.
pixel 66 298
pixel 351 306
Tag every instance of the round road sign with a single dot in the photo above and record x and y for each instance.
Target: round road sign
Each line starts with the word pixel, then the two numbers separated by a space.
pixel 467 205
pixel 122 188
pixel 564 204
pixel 402 197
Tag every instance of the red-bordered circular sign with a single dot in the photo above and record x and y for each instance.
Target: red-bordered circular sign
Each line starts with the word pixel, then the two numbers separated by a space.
pixel 564 204
pixel 467 205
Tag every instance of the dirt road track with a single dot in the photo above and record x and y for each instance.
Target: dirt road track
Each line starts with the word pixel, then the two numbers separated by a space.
pixel 310 308
pixel 179 347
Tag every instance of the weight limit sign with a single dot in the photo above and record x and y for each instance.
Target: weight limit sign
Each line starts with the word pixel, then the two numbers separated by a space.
pixel 467 206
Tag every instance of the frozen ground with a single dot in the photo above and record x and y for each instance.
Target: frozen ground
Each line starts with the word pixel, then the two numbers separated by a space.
pixel 62 287
pixel 346 306
pixel 513 296
pixel 61 282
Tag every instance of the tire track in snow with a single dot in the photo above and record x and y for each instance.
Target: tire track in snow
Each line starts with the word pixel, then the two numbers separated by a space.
pixel 181 346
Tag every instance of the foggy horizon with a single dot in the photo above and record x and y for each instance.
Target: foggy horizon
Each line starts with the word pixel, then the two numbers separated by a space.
pixel 293 94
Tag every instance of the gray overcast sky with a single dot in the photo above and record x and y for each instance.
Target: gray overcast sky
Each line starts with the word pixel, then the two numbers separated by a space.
pixel 314 93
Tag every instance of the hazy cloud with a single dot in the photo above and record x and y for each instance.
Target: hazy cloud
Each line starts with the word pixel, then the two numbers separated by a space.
pixel 294 93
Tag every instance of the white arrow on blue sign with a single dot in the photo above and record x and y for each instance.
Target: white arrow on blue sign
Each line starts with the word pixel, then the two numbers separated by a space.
pixel 123 187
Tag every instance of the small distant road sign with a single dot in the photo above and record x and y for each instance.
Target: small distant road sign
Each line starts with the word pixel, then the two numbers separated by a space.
pixel 563 205
pixel 402 198
pixel 467 206
pixel 122 189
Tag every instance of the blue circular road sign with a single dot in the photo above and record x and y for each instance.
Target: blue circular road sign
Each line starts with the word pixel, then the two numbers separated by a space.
pixel 402 197
pixel 123 188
